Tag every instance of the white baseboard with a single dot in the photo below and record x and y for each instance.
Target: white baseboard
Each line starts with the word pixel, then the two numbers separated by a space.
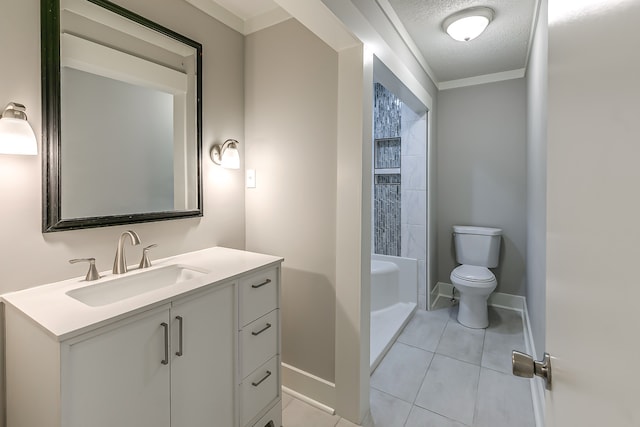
pixel 309 388
pixel 496 299
pixel 433 296
pixel 441 290
pixel 511 302
pixel 537 383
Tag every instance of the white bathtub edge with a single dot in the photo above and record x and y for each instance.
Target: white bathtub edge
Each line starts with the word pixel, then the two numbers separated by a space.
pixel 408 283
pixel 390 340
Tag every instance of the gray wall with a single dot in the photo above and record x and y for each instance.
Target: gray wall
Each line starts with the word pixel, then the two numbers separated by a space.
pixel 291 129
pixel 481 173
pixel 28 257
pixel 537 88
pixel 34 258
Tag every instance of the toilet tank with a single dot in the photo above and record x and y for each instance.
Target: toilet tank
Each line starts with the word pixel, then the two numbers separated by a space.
pixel 477 245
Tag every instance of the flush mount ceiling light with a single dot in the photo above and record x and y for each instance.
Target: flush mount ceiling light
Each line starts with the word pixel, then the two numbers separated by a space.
pixel 468 24
pixel 226 155
pixel 16 135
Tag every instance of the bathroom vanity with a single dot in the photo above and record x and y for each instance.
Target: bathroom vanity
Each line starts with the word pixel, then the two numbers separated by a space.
pixel 193 340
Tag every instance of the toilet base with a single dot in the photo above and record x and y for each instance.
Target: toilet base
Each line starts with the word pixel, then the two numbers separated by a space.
pixel 473 311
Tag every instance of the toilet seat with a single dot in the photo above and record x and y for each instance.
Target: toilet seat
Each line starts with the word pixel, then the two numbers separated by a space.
pixel 475 284
pixel 473 274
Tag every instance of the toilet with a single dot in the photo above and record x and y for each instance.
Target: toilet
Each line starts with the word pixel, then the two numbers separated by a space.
pixel 477 249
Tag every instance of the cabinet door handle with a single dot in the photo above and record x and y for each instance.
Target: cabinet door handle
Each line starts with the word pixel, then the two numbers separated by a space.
pixel 256 384
pixel 165 361
pixel 266 282
pixel 179 352
pixel 261 330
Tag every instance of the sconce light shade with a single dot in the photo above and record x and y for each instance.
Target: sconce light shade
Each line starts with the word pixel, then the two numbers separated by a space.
pixel 468 24
pixel 226 155
pixel 16 135
pixel 231 158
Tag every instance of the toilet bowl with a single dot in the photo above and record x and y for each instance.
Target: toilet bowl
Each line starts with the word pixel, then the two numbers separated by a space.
pixel 477 249
pixel 474 284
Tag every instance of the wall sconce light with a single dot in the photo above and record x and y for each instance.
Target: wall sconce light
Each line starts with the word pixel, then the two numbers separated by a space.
pixel 226 155
pixel 16 135
pixel 468 24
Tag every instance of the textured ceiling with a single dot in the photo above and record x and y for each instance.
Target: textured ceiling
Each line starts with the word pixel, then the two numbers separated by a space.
pixel 502 47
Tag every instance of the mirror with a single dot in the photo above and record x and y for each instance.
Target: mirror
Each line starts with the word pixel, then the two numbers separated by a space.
pixel 121 118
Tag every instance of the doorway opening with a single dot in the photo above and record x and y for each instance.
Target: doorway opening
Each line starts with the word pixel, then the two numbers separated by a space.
pixel 399 218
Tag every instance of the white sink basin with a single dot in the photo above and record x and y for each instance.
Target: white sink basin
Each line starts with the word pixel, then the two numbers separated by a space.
pixel 132 285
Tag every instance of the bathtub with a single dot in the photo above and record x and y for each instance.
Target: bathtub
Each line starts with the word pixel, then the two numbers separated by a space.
pixel 385 281
pixel 394 296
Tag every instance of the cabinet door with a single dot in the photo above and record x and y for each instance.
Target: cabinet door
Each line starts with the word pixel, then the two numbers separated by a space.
pixel 115 376
pixel 202 376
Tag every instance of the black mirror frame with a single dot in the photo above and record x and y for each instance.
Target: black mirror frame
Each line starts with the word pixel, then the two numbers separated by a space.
pixel 50 45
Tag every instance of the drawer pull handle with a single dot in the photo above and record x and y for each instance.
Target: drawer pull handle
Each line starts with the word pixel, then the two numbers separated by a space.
pixel 165 361
pixel 261 330
pixel 266 282
pixel 267 375
pixel 179 352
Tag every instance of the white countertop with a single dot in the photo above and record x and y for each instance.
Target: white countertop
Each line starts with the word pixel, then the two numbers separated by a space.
pixel 64 317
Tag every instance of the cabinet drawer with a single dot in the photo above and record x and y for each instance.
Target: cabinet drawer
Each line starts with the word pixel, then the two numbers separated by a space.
pixel 259 389
pixel 273 418
pixel 258 295
pixel 259 342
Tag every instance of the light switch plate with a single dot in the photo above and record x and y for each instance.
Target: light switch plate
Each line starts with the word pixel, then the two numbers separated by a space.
pixel 251 178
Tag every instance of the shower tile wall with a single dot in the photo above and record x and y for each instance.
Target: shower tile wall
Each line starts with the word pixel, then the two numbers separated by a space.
pixel 414 194
pixel 387 207
pixel 404 195
pixel 387 186
pixel 386 110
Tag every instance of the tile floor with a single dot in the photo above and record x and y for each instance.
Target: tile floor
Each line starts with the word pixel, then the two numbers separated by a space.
pixel 441 374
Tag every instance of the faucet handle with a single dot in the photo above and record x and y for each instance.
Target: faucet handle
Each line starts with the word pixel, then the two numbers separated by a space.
pixel 145 262
pixel 92 274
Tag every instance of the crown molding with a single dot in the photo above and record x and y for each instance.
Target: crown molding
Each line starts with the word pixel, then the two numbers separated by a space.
pixel 485 78
pixel 265 20
pixel 395 21
pixel 245 27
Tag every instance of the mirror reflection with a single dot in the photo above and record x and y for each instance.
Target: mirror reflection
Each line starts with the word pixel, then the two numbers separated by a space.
pixel 128 145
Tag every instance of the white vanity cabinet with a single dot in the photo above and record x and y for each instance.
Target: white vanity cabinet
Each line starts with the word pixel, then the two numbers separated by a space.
pixel 177 361
pixel 260 387
pixel 117 366
pixel 203 354
pixel 170 366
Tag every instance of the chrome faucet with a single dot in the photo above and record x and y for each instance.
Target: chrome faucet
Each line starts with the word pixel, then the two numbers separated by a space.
pixel 120 263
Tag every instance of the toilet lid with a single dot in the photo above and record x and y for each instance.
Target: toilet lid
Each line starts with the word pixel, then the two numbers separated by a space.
pixel 473 273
